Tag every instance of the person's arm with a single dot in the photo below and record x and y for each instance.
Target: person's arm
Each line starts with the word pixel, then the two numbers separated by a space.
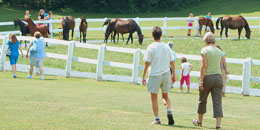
pixel 27 53
pixel 172 63
pixel 146 66
pixel 202 71
pixel 225 64
pixel 39 17
pixel 21 51
pixel 182 69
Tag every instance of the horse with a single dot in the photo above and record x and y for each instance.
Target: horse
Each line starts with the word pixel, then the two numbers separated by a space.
pixel 43 29
pixel 23 28
pixel 83 28
pixel 206 21
pixel 238 22
pixel 127 26
pixel 68 24
pixel 110 30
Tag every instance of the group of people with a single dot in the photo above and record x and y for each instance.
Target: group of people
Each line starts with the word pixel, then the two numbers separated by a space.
pixel 159 56
pixel 35 53
pixel 45 15
pixel 190 22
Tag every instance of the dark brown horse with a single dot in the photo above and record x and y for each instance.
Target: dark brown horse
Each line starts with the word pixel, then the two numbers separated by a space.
pixel 43 29
pixel 83 28
pixel 127 26
pixel 233 23
pixel 68 24
pixel 111 30
pixel 206 21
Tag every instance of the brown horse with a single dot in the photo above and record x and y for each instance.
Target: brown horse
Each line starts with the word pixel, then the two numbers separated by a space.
pixel 127 26
pixel 83 28
pixel 111 30
pixel 68 24
pixel 43 29
pixel 238 22
pixel 206 21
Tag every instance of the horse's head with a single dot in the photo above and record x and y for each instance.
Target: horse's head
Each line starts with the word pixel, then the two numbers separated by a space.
pixel 15 23
pixel 248 34
pixel 141 38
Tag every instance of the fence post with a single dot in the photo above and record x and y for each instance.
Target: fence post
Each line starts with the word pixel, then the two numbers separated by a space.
pixel 136 66
pixel 246 76
pixel 77 27
pixel 69 59
pixel 105 26
pixel 101 57
pixel 3 53
pixel 165 26
pixel 196 27
pixel 51 27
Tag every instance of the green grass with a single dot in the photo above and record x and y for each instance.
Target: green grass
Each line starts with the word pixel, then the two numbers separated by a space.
pixel 76 103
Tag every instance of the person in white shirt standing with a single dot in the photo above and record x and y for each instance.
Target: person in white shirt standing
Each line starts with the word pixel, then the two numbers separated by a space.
pixel 158 58
pixel 186 68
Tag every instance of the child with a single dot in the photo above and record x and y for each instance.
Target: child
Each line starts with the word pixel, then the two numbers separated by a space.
pixel 27 14
pixel 50 17
pixel 14 45
pixel 209 15
pixel 190 24
pixel 60 27
pixel 224 72
pixel 185 73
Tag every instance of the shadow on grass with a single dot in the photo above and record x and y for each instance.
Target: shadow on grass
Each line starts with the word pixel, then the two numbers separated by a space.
pixel 180 126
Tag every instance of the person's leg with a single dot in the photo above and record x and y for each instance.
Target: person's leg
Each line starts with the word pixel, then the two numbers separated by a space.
pixel 216 94
pixel 31 70
pixel 181 84
pixel 14 69
pixel 166 88
pixel 155 104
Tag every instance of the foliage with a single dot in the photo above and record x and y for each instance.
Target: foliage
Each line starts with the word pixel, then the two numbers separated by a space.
pixel 112 6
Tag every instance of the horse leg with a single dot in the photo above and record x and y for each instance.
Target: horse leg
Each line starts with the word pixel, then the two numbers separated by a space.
pixel 84 37
pixel 200 27
pixel 239 32
pixel 226 29
pixel 132 38
pixel 205 29
pixel 128 39
pixel 114 36
pixel 122 36
pixel 117 37
pixel 221 31
pixel 80 36
pixel 72 33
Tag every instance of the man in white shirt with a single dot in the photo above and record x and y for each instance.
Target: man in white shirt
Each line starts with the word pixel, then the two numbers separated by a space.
pixel 158 58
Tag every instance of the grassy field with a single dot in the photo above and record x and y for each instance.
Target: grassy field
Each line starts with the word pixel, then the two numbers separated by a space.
pixel 75 103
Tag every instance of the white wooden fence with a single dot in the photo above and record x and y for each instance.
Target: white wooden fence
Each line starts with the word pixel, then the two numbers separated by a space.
pixel 165 27
pixel 246 77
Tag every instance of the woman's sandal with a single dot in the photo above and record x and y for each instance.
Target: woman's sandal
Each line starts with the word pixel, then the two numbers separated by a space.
pixel 196 123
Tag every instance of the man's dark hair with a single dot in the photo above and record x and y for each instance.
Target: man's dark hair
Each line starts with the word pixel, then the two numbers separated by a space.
pixel 157 33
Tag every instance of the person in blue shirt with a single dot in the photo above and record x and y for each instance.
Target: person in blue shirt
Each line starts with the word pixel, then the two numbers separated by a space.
pixel 37 55
pixel 14 45
pixel 209 15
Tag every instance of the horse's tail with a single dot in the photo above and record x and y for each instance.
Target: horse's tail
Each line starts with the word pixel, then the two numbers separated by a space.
pixel 219 19
pixel 107 22
pixel 246 23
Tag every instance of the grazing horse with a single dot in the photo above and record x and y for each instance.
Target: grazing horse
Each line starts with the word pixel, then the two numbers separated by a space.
pixel 23 28
pixel 83 28
pixel 206 21
pixel 43 29
pixel 68 24
pixel 111 30
pixel 127 26
pixel 238 22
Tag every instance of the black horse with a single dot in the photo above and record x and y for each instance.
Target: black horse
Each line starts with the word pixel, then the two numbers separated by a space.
pixel 23 28
pixel 68 24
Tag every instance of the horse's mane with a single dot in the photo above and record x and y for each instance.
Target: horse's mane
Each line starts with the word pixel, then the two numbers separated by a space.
pixel 107 22
pixel 246 23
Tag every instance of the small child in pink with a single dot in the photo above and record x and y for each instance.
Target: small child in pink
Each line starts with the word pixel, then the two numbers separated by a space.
pixel 185 74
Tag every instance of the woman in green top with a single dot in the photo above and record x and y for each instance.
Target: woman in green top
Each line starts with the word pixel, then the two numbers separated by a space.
pixel 210 80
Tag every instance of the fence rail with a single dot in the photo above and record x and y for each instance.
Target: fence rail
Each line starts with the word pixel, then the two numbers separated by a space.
pixel 165 27
pixel 246 77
